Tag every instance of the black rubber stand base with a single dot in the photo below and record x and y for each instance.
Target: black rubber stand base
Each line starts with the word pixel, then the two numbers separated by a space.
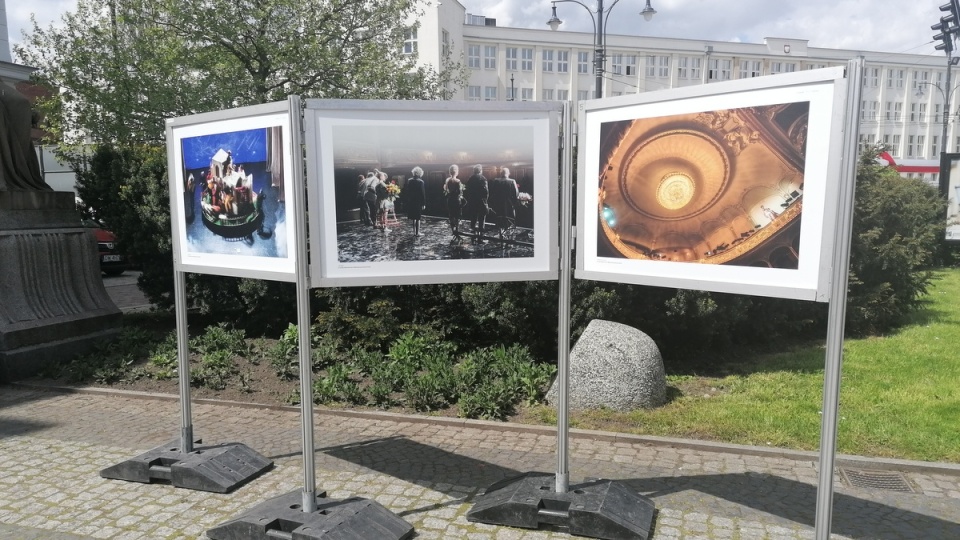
pixel 596 509
pixel 220 469
pixel 283 517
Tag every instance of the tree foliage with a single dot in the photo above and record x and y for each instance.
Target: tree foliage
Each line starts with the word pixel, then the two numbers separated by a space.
pixel 124 66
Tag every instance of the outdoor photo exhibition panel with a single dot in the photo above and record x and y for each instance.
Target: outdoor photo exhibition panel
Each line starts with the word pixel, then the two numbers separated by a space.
pixel 513 146
pixel 727 187
pixel 230 185
pixel 950 188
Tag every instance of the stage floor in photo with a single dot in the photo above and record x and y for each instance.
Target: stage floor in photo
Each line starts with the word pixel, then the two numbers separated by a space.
pixel 357 242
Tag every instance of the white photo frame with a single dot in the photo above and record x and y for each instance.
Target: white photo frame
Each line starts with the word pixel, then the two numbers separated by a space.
pixel 652 218
pixel 231 188
pixel 346 139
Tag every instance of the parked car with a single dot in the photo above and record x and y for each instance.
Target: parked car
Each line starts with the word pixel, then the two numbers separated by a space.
pixel 112 262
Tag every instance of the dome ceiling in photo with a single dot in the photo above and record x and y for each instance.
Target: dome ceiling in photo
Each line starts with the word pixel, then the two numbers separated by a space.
pixel 717 187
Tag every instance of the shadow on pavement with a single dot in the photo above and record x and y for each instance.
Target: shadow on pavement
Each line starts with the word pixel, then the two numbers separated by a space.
pixel 853 517
pixel 416 462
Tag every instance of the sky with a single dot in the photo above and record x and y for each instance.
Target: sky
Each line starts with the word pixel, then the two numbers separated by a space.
pixel 895 26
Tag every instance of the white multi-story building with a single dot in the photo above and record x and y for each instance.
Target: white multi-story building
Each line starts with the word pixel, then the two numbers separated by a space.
pixel 542 65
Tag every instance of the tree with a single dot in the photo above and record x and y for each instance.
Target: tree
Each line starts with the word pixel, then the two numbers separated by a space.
pixel 124 66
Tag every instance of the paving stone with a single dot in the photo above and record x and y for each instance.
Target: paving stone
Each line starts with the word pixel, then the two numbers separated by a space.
pixel 427 473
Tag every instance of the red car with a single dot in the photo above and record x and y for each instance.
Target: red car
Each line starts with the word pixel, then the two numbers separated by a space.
pixel 112 262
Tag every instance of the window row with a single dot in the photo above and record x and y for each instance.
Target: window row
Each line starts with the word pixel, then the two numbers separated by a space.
pixel 491 93
pixel 657 66
pixel 897 77
pixel 916 145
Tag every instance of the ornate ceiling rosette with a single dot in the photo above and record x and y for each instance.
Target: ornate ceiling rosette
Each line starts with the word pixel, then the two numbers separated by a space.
pixel 712 187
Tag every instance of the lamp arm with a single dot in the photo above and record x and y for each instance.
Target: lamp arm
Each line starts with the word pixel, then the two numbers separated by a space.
pixel 606 18
pixel 584 6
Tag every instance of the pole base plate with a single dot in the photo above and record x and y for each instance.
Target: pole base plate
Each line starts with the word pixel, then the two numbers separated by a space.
pixel 595 509
pixel 220 468
pixel 283 517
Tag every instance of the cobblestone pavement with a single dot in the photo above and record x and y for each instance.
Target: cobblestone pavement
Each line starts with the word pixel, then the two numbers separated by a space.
pixel 427 471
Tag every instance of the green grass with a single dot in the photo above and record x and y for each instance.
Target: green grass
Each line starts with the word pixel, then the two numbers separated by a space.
pixel 899 395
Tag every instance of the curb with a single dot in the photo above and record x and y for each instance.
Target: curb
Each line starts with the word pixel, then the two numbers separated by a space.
pixel 842 460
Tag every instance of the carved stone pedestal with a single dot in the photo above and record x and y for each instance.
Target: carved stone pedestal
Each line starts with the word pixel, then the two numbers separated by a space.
pixel 52 301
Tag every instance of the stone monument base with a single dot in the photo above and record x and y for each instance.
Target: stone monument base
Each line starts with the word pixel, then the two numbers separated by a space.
pixel 53 305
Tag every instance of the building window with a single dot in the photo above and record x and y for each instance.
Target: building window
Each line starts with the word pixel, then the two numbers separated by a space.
pixel 872 113
pixel 490 57
pixel 901 75
pixel 583 95
pixel 936 112
pixel 888 111
pixel 749 68
pixel 547 94
pixel 897 110
pixel 526 59
pixel 910 146
pixel 782 67
pixel 445 48
pixel 511 93
pixel 682 67
pixel 563 61
pixel 896 146
pixel 658 67
pixel 526 94
pixel 696 69
pixel 617 64
pixel 473 93
pixel 473 56
pixel 913 112
pixel 920 79
pixel 920 140
pixel 631 65
pixel 873 76
pixel 956 146
pixel 547 60
pixel 512 54
pixel 489 93
pixel 583 62
pixel 563 95
pixel 863 110
pixel 719 69
pixel 663 71
pixel 815 66
pixel 410 41
pixel 934 146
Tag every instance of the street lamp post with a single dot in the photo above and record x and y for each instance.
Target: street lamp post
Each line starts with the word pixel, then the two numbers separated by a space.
pixel 599 33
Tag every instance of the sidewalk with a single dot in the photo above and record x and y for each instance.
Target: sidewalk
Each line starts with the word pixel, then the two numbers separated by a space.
pixel 427 471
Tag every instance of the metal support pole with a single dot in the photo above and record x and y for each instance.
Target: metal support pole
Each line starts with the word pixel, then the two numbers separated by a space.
pixel 600 52
pixel 183 361
pixel 303 311
pixel 947 92
pixel 563 331
pixel 838 304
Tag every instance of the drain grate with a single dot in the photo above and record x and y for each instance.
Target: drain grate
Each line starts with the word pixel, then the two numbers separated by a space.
pixel 888 480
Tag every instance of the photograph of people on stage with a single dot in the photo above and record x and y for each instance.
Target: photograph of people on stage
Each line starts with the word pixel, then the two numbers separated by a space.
pixel 447 192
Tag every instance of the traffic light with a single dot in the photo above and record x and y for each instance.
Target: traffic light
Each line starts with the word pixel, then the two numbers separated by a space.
pixel 948 26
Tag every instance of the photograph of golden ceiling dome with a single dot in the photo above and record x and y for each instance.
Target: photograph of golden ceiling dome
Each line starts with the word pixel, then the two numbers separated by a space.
pixel 716 187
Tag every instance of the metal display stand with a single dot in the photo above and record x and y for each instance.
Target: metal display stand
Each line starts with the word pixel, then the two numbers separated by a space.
pixel 220 468
pixel 307 514
pixel 597 509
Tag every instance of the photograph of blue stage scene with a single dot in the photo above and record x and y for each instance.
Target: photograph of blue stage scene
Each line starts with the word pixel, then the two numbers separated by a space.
pixel 233 193
pixel 435 192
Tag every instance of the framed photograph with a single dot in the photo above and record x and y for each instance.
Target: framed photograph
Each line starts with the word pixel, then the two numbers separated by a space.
pixel 404 192
pixel 950 188
pixel 230 185
pixel 726 187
